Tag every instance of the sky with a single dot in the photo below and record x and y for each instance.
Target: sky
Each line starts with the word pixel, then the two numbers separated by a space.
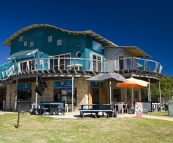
pixel 147 24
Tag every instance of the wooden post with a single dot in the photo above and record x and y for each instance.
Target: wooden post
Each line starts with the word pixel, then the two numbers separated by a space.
pixel 18 120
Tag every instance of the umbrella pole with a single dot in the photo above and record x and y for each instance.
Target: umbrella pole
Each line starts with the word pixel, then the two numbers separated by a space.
pixel 132 97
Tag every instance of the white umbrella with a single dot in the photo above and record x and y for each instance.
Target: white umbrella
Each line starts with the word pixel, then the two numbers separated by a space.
pixel 133 82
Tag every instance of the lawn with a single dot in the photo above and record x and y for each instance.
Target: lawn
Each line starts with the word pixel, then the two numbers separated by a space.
pixel 40 129
pixel 164 113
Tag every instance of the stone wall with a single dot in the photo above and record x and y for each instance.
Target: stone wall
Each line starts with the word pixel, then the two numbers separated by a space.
pixel 81 84
pixel 12 93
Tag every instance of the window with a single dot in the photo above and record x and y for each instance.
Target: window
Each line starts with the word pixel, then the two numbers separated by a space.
pixel 23 66
pixel 65 94
pixel 59 62
pixel 32 65
pixel 21 38
pixel 97 63
pixel 59 42
pixel 31 44
pixel 50 39
pixel 25 43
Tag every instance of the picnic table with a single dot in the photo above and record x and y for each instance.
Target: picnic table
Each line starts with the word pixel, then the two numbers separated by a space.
pixel 96 108
pixel 51 107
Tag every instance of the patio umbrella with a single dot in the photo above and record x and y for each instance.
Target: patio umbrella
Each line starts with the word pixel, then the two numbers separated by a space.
pixel 133 83
pixel 108 76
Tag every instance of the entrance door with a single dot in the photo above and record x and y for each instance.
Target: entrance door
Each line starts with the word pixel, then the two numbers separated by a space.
pixel 1 98
pixel 117 94
pixel 95 96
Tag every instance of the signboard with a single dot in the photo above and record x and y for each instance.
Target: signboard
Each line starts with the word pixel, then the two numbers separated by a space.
pixel 148 106
pixel 138 109
pixel 26 86
pixel 97 46
pixel 23 106
pixel 63 83
pixel 96 84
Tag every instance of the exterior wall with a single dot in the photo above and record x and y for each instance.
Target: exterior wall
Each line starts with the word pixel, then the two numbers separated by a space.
pixel 112 57
pixel 81 84
pixel 12 93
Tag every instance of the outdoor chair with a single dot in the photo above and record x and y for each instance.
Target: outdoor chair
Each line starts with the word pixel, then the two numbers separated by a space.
pixel 120 108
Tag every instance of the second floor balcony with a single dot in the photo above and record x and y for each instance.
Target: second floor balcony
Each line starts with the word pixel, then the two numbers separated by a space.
pixel 68 65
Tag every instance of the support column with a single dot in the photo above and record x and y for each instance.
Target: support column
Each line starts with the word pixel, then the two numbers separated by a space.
pixel 10 94
pixel 132 97
pixel 72 93
pixel 36 94
pixel 16 94
pixel 160 97
pixel 110 90
pixel 149 96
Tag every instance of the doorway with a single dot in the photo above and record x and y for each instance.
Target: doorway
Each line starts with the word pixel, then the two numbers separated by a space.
pixel 121 62
pixel 117 95
pixel 95 96
pixel 2 98
pixel 24 95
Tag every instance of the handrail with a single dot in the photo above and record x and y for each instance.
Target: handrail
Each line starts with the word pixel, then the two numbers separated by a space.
pixel 50 63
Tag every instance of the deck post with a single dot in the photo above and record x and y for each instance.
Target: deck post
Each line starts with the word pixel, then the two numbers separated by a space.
pixel 149 94
pixel 36 94
pixel 160 97
pixel 16 94
pixel 110 90
pixel 72 92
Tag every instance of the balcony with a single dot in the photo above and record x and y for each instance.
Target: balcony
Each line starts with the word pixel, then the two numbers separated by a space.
pixel 79 65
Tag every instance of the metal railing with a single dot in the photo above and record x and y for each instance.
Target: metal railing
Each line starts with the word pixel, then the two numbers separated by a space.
pixel 54 63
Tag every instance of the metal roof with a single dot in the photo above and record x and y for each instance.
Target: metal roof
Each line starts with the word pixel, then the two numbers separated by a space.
pixel 134 50
pixel 102 40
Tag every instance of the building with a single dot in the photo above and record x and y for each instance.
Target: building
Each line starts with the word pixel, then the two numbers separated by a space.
pixel 65 59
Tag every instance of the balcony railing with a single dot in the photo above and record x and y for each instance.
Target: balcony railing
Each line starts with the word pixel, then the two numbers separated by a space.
pixel 133 63
pixel 54 63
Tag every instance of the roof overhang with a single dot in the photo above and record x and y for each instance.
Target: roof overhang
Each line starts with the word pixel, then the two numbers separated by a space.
pixel 134 50
pixel 28 52
pixel 102 40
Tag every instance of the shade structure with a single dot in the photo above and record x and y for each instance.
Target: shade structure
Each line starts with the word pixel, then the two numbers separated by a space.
pixel 127 85
pixel 133 83
pixel 137 81
pixel 108 76
pixel 104 76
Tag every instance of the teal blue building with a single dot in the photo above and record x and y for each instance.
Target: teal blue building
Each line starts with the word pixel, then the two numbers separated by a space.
pixel 65 59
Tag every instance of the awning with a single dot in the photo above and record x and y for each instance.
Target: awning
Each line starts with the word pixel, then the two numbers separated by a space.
pixel 134 50
pixel 28 52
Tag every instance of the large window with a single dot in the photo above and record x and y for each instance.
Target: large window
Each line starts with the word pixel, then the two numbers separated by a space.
pixel 97 66
pixel 65 94
pixel 27 65
pixel 59 62
pixel 23 66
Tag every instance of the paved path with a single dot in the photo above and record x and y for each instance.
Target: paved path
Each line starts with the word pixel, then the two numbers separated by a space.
pixel 76 115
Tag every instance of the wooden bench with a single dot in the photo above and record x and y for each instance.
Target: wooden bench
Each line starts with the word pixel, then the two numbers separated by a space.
pixel 82 111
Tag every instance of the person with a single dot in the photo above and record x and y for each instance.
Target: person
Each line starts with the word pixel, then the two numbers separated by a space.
pixel 113 108
pixel 113 104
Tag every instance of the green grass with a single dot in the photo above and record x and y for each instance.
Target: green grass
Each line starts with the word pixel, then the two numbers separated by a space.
pixel 40 129
pixel 164 113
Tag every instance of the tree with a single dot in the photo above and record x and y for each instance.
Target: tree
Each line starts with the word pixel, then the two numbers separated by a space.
pixel 166 85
